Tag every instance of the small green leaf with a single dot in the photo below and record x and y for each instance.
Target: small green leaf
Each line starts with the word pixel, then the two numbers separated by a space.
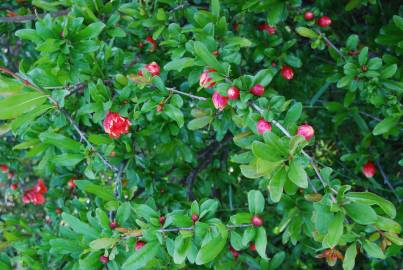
pixel 102 243
pixel 335 231
pixel 277 260
pixel 207 57
pixel 388 71
pixel 266 151
pixel 297 174
pixel 179 64
pixel 199 123
pixel 261 242
pixel 241 218
pixel 306 32
pixel 263 77
pixel 80 227
pixel 276 184
pixel 363 56
pixel 141 257
pixel 361 213
pixel 215 8
pixel 102 192
pixel 174 113
pixel 210 250
pixel 13 106
pixel 371 199
pixel 91 31
pixel 385 125
pixel 255 202
pixel 349 257
pixel 293 114
pixel 373 250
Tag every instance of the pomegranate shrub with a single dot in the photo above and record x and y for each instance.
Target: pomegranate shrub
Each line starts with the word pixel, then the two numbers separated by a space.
pixel 222 134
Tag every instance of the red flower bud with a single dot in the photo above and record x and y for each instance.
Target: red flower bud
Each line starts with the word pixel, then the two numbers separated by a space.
pixel 271 30
pixel 262 126
pixel 273 64
pixel 219 101
pixel 263 26
pixel 58 211
pixel 234 252
pixel 257 90
pixel 216 53
pixel 205 80
pixel 233 93
pixel 162 220
pixel 4 168
pixel 14 186
pixel 308 16
pixel 153 68
pixel 10 175
pixel 235 26
pixel 324 21
pixel 195 217
pixel 369 169
pixel 115 125
pixel 103 259
pixel 252 247
pixel 287 72
pixel 364 68
pixel 113 225
pixel 257 221
pixel 139 245
pixel 306 131
pixel 71 183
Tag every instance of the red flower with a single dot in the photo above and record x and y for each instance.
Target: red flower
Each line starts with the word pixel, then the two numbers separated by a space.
pixel 153 68
pixel 233 93
pixel 14 186
pixel 235 26
pixel 263 26
pixel 234 252
pixel 271 30
pixel 257 90
pixel 369 169
pixel 103 259
pixel 257 221
pixel 205 80
pixel 252 247
pixel 287 72
pixel 139 245
pixel 219 101
pixel 324 21
pixel 306 131
pixel 4 168
pixel 40 187
pixel 71 183
pixel 152 42
pixel 115 125
pixel 262 126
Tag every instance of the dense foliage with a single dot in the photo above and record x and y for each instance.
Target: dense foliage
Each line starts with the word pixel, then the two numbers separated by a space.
pixel 222 134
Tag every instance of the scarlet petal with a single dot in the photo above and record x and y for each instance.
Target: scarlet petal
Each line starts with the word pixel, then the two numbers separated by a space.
pixel 369 169
pixel 115 124
pixel 40 186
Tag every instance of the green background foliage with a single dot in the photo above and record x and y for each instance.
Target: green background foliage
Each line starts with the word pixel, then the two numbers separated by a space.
pixel 65 64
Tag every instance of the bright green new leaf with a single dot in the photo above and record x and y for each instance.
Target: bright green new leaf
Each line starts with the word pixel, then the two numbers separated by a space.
pixel 13 106
pixel 276 184
pixel 103 243
pixel 306 32
pixel 349 257
pixel 141 257
pixel 361 213
pixel 261 242
pixel 255 202
pixel 297 174
pixel 335 231
pixel 80 227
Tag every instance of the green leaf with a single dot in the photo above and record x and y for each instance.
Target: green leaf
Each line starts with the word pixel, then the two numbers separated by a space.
pixel 99 139
pixel 385 125
pixel 241 218
pixel 215 8
pixel 9 87
pixel 276 184
pixel 210 250
pixel 123 213
pixel 374 63
pixel 199 123
pixel 91 31
pixel 255 202
pixel 179 64
pixel 266 151
pixel 13 106
pixel 363 56
pixel 293 114
pixel 371 199
pixel 60 141
pixel 102 243
pixel 27 118
pixel 276 13
pixel 68 160
pixel 297 174
pixel 29 34
pixel 102 192
pixel 398 20
pixel 263 77
pixel 387 224
pixel 80 227
pixel 238 41
pixel 394 238
pixel 207 57
pixel 277 260
pixel 349 257
pixel 361 213
pixel 182 247
pixel 141 257
pixel 389 71
pixel 174 113
pixel 335 231
pixel 306 32
pixel 373 250
pixel 261 242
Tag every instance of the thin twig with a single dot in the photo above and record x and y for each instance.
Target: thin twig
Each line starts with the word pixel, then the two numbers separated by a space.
pixel 331 44
pixel 186 94
pixel 386 180
pixel 26 18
